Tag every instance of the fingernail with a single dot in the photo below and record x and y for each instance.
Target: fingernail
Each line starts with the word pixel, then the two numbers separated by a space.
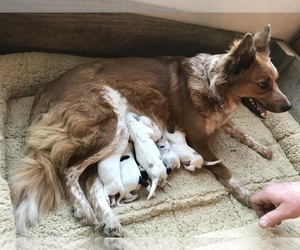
pixel 263 223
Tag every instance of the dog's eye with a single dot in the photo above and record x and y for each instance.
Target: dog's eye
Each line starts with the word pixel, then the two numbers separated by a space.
pixel 263 85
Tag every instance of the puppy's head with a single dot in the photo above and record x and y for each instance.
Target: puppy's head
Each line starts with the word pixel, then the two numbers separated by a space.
pixel 252 77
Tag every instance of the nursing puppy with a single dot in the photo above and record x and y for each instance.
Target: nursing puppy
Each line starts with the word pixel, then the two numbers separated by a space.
pixel 146 151
pixel 151 124
pixel 110 174
pixel 169 157
pixel 189 158
pixel 131 175
pixel 74 119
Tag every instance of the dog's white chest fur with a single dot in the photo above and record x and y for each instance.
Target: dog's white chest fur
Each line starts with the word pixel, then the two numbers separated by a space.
pixel 214 122
pixel 217 119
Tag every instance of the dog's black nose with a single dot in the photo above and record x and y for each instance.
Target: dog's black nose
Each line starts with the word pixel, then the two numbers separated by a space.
pixel 286 107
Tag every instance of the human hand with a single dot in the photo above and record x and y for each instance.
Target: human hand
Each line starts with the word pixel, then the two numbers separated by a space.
pixel 277 202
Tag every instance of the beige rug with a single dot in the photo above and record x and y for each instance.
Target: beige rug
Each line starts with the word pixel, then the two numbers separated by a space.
pixel 195 213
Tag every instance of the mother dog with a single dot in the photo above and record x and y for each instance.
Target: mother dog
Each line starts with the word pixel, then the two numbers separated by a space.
pixel 75 119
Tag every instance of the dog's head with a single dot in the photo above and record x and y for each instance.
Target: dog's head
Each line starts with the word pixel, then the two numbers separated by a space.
pixel 252 76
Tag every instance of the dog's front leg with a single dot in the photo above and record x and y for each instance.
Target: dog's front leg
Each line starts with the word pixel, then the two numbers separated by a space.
pixel 241 136
pixel 223 175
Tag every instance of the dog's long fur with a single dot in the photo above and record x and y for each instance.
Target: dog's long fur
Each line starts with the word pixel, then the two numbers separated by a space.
pixel 74 125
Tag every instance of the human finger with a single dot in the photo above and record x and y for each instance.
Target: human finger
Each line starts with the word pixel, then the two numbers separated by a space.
pixel 261 204
pixel 274 217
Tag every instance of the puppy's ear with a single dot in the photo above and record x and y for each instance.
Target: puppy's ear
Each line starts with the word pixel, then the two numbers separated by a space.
pixel 262 40
pixel 241 56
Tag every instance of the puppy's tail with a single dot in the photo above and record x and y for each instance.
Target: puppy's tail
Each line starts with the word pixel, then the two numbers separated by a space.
pixel 210 163
pixel 154 183
pixel 122 194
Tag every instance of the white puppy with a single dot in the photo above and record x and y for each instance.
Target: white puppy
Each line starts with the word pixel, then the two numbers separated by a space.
pixel 131 175
pixel 169 157
pixel 189 158
pixel 110 173
pixel 147 153
pixel 151 124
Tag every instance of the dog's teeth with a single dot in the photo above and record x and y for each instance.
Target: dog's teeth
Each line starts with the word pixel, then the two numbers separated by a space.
pixel 252 102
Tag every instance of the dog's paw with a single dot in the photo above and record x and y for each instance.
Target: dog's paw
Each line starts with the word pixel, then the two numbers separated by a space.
pixel 243 196
pixel 269 154
pixel 85 217
pixel 266 153
pixel 240 193
pixel 114 243
pixel 113 228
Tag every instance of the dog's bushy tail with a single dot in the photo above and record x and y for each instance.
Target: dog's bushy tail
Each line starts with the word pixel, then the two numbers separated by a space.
pixel 35 184
pixel 35 189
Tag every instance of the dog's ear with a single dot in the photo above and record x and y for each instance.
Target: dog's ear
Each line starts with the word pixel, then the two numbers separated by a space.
pixel 241 56
pixel 262 40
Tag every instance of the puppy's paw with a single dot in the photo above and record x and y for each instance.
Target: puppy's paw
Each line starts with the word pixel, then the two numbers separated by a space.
pixel 189 167
pixel 131 199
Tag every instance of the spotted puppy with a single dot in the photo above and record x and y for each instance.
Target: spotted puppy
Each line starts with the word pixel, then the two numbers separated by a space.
pixel 131 175
pixel 169 157
pixel 147 153
pixel 189 158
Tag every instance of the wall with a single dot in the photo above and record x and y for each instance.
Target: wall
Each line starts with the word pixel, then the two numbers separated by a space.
pixel 284 25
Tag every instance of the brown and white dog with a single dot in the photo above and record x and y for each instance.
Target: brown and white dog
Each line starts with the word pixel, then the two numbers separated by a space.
pixel 74 121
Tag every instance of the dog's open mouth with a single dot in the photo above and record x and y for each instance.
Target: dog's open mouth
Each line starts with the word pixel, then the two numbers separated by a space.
pixel 255 107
